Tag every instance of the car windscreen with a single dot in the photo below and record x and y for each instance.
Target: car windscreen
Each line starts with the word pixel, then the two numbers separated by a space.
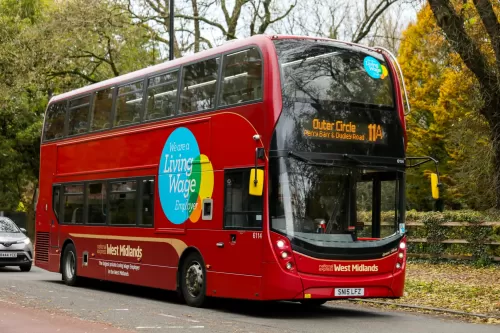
pixel 7 226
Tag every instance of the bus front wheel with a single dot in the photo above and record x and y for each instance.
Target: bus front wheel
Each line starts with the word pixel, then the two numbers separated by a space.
pixel 69 265
pixel 193 280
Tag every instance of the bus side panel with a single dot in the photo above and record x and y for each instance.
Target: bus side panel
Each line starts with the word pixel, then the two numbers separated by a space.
pixel 149 261
pixel 234 256
pixel 233 286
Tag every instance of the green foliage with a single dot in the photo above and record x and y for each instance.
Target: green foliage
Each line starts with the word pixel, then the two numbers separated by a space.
pixel 432 229
pixel 49 47
pixel 435 234
pixel 473 231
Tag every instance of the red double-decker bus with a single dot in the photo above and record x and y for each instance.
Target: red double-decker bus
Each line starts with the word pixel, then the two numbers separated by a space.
pixel 256 170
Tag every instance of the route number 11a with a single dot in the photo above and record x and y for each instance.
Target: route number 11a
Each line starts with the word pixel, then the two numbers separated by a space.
pixel 374 132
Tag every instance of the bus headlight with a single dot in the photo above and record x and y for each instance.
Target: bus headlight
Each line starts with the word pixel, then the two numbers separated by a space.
pixel 398 265
pixel 401 255
pixel 284 255
pixel 280 244
pixel 402 245
pixel 289 265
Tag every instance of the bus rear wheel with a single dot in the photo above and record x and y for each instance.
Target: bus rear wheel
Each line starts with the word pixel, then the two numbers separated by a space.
pixel 193 280
pixel 68 265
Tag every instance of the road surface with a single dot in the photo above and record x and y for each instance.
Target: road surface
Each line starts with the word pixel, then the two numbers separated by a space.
pixel 117 307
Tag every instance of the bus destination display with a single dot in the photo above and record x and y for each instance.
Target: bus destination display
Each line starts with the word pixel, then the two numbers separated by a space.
pixel 340 130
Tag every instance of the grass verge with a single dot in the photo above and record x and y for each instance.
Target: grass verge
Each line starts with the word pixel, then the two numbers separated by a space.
pixel 450 286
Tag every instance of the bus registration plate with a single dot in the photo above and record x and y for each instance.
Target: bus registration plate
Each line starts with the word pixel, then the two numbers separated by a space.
pixel 349 291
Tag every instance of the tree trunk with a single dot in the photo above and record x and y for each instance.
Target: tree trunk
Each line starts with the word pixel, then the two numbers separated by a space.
pixel 197 33
pixel 30 222
pixel 494 123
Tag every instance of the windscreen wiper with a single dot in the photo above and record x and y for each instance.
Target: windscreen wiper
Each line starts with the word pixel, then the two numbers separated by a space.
pixel 331 163
pixel 308 160
pixel 352 158
pixel 367 166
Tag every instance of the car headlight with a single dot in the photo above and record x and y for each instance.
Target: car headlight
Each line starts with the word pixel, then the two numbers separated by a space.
pixel 27 241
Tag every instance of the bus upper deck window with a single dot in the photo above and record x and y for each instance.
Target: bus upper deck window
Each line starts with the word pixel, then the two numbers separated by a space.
pixel 242 75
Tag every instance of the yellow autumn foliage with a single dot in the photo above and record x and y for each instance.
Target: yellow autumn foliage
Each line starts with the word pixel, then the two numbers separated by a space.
pixel 445 122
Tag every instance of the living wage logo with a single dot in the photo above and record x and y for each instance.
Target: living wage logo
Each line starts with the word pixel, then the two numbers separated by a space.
pixel 374 68
pixel 185 177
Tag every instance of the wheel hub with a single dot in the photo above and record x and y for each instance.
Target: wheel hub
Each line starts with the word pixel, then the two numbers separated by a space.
pixel 194 279
pixel 70 266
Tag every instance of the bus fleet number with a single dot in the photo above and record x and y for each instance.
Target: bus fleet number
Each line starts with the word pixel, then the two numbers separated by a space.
pixel 257 235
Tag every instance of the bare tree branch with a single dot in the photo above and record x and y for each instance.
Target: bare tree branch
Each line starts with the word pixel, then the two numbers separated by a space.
pixel 370 19
pixel 72 72
pixel 267 16
pixel 224 10
pixel 204 19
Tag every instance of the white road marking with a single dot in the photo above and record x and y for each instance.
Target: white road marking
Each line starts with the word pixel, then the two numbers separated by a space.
pixel 158 327
pixel 186 319
pixel 121 309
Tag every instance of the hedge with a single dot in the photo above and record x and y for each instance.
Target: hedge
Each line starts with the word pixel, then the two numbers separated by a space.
pixel 473 231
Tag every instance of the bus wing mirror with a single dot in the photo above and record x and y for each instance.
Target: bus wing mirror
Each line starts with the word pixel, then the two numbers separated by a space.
pixel 256 185
pixel 257 175
pixel 435 185
pixel 434 176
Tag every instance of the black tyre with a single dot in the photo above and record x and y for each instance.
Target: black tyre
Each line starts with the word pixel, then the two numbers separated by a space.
pixel 25 268
pixel 193 280
pixel 313 302
pixel 68 265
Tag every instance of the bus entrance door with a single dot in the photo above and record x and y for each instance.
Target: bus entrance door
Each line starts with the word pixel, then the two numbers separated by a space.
pixel 240 243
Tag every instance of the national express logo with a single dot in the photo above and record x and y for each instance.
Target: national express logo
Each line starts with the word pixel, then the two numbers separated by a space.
pixel 374 68
pixel 185 177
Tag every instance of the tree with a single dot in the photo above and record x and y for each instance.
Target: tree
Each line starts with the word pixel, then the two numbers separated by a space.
pixel 21 105
pixel 472 28
pixel 367 22
pixel 202 23
pixel 92 40
pixel 444 121
pixel 48 48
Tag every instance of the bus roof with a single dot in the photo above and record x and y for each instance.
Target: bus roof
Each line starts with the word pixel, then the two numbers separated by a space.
pixel 228 46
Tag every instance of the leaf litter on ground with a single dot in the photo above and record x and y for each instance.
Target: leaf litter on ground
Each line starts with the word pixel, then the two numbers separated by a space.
pixel 450 286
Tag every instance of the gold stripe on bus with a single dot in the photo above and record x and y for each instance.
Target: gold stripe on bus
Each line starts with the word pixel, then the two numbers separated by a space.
pixel 177 244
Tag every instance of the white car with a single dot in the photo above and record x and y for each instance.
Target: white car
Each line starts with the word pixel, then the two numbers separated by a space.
pixel 15 247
